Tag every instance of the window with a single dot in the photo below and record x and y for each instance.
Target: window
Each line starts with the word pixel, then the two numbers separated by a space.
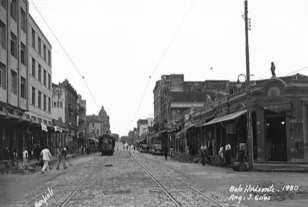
pixel 22 53
pixel 23 92
pixel 23 19
pixel 49 81
pixel 2 76
pixel 44 52
pixel 2 35
pixel 33 67
pixel 54 104
pixel 49 105
pixel 33 96
pixel 3 3
pixel 39 98
pixel 39 73
pixel 39 45
pixel 44 102
pixel 44 77
pixel 13 82
pixel 14 9
pixel 49 58
pixel 33 38
pixel 13 45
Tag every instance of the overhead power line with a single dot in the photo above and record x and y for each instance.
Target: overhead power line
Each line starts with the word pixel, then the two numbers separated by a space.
pixel 163 55
pixel 65 52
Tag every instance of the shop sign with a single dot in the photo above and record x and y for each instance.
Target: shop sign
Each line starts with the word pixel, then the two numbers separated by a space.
pixel 44 127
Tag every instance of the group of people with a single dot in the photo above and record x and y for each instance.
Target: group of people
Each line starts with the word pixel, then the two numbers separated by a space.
pixel 44 157
pixel 224 154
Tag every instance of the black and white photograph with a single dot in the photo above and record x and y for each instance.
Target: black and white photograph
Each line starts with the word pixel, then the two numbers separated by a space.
pixel 153 103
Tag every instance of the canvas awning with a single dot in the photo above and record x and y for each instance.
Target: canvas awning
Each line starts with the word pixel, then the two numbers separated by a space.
pixel 227 117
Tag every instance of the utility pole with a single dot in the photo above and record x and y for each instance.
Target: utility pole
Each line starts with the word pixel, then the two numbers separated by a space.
pixel 248 89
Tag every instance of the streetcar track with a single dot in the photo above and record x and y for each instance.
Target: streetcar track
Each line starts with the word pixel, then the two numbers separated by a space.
pixel 208 199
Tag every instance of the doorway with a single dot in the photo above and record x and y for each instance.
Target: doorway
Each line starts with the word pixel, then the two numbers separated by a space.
pixel 276 139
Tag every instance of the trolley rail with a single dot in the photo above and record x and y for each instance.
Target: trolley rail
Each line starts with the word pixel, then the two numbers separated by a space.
pixel 207 199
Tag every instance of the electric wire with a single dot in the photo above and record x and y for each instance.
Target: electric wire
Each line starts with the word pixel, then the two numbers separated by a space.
pixel 64 51
pixel 162 56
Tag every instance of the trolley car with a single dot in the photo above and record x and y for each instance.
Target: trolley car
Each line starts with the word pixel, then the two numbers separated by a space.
pixel 106 144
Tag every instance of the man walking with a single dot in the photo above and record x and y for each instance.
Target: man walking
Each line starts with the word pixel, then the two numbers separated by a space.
pixel 60 158
pixel 46 158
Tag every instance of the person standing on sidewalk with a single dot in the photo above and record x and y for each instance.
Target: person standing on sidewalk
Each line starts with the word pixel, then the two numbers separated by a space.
pixel 46 158
pixel 60 158
pixel 25 156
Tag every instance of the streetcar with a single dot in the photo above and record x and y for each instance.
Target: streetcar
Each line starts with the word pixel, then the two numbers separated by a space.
pixel 106 144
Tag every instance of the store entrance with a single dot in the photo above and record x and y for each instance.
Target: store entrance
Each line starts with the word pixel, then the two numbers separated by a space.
pixel 276 139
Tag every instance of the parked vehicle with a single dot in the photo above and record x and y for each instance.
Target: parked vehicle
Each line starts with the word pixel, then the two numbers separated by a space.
pixel 157 149
pixel 106 144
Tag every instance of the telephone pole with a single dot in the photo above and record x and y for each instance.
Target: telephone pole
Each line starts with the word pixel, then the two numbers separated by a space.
pixel 248 89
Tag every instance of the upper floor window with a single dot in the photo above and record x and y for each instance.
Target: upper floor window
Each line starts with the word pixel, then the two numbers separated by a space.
pixel 13 45
pixel 13 82
pixel 23 57
pixel 49 58
pixel 23 20
pixel 39 99
pixel 23 87
pixel 33 96
pixel 2 35
pixel 33 38
pixel 39 73
pixel 2 76
pixel 14 9
pixel 3 3
pixel 44 77
pixel 44 50
pixel 33 67
pixel 49 81
pixel 39 42
pixel 44 103
pixel 49 105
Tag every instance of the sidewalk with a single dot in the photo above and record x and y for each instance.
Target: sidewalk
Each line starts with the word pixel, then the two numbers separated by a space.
pixel 32 166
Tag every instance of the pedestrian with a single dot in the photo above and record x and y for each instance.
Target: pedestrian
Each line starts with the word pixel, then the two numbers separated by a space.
pixel 60 158
pixel 14 158
pixel 221 154
pixel 228 154
pixel 166 152
pixel 46 156
pixel 37 151
pixel 203 149
pixel 25 157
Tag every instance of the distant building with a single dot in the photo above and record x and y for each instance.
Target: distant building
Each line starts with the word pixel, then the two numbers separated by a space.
pixel 94 126
pixel 105 118
pixel 81 121
pixel 174 97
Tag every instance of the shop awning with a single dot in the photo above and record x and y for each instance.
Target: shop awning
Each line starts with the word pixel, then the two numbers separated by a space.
pixel 227 117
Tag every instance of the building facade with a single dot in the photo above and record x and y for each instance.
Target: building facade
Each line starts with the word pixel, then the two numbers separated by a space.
pixel 105 119
pixel 279 122
pixel 14 77
pixel 174 97
pixel 94 126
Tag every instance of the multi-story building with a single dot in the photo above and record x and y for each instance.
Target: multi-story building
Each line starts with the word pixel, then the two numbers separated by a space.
pixel 173 97
pixel 13 75
pixel 81 121
pixel 94 128
pixel 71 112
pixel 105 118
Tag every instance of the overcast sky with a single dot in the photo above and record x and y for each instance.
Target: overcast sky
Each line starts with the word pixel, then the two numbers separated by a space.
pixel 123 46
